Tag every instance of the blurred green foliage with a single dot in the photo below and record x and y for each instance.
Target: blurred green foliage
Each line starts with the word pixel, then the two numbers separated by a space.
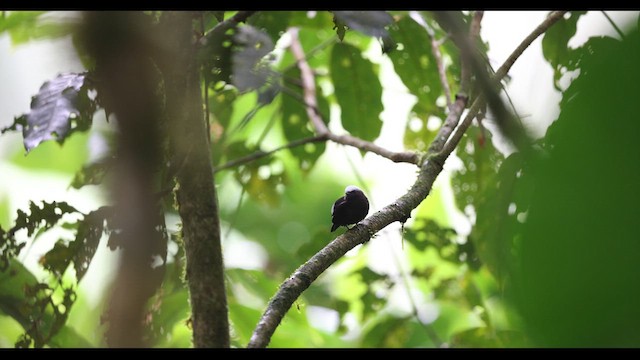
pixel 550 258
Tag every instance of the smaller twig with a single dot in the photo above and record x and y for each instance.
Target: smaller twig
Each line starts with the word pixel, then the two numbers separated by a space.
pixel 308 84
pixel 613 24
pixel 456 109
pixel 551 19
pixel 461 129
pixel 312 52
pixel 411 157
pixel 260 154
pixel 311 106
pixel 435 49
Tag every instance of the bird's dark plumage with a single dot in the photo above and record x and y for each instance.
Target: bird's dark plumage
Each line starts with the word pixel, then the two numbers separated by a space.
pixel 349 209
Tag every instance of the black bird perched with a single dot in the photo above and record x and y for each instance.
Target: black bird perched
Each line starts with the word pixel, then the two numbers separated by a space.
pixel 349 209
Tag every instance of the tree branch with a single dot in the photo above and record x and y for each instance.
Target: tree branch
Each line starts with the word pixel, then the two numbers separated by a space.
pixel 309 91
pixel 261 154
pixel 456 109
pixel 399 210
pixel 435 49
pixel 308 84
pixel 196 195
pixel 615 27
pixel 502 71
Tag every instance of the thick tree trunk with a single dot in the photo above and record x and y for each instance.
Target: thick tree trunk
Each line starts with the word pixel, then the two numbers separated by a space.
pixel 196 192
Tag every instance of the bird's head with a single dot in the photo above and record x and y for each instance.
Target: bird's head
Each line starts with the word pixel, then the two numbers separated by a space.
pixel 351 189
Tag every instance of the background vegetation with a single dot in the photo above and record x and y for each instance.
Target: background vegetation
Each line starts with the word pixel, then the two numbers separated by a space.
pixel 272 114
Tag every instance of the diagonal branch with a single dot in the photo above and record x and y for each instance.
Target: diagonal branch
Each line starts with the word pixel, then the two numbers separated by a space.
pixel 455 110
pixel 502 71
pixel 399 210
pixel 260 154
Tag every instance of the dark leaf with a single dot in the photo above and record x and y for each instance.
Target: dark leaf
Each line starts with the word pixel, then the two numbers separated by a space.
pixel 582 220
pixel 250 47
pixel 92 174
pixel 90 231
pixel 371 23
pixel 215 54
pixel 358 91
pixel 340 27
pixel 80 251
pixel 60 108
pixel 219 15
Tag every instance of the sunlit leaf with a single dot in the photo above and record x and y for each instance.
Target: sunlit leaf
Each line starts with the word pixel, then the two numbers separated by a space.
pixel 24 26
pixel 414 62
pixel 357 90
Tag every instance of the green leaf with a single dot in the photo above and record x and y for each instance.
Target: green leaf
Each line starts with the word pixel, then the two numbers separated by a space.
pixel 92 174
pixel 80 251
pixel 32 305
pixel 24 26
pixel 274 23
pixel 414 63
pixel 358 91
pixel 578 256
pixel 60 108
pixel 555 45
pixel 49 155
pixel 481 161
pixel 296 124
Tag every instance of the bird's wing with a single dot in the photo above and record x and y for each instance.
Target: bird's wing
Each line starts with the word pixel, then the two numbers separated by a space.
pixel 338 203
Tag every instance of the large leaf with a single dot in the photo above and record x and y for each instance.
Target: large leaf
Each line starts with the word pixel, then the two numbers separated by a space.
pixel 555 45
pixel 33 306
pixel 250 47
pixel 372 23
pixel 274 23
pixel 357 90
pixel 61 107
pixel 80 251
pixel 579 265
pixel 415 64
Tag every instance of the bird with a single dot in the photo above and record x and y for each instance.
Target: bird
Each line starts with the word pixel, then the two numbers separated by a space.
pixel 349 209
